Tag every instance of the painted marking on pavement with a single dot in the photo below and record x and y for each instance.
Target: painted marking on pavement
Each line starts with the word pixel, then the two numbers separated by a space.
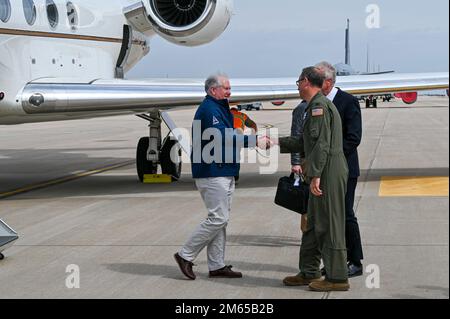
pixel 411 186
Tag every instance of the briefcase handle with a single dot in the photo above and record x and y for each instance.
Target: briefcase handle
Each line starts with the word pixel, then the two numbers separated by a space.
pixel 297 178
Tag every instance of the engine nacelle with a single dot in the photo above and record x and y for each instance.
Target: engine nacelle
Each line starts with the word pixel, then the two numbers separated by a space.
pixel 189 22
pixel 408 97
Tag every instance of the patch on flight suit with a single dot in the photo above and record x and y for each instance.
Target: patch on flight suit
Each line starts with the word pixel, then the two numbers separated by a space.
pixel 317 112
pixel 215 120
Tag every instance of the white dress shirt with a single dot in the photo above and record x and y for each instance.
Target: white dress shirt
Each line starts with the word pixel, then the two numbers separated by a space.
pixel 332 94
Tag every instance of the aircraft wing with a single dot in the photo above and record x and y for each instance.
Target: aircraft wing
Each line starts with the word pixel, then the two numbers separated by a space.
pixel 393 83
pixel 100 97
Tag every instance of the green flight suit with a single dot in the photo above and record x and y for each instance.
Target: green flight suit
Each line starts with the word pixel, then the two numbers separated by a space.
pixel 322 149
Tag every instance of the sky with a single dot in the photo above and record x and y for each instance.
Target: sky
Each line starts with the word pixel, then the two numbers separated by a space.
pixel 268 38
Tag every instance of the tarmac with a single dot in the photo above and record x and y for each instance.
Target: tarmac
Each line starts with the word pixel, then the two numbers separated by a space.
pixel 70 190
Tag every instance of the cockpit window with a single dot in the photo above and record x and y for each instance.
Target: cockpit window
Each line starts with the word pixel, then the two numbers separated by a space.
pixel 29 10
pixel 5 10
pixel 52 13
pixel 72 15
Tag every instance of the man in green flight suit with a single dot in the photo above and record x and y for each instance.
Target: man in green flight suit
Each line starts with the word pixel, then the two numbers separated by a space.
pixel 326 169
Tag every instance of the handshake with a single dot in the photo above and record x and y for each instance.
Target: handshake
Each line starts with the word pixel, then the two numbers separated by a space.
pixel 265 142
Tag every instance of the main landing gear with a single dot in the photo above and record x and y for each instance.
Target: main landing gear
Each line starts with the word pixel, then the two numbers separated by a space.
pixel 371 102
pixel 153 151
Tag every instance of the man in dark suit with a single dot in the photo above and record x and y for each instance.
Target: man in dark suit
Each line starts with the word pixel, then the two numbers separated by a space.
pixel 350 112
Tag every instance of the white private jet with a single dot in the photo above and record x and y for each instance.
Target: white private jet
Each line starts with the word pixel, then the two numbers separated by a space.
pixel 62 60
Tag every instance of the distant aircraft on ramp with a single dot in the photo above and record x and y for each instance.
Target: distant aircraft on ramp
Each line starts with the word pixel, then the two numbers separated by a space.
pixel 345 69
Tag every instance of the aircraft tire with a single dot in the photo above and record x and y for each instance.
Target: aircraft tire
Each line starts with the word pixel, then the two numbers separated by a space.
pixel 375 103
pixel 167 165
pixel 2 256
pixel 143 166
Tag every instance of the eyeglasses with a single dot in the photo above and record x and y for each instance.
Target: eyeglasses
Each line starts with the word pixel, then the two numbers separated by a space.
pixel 300 81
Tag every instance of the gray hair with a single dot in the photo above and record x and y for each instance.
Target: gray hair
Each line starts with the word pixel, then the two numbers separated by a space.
pixel 214 81
pixel 328 70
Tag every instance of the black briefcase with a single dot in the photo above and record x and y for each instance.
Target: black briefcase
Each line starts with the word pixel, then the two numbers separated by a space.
pixel 292 195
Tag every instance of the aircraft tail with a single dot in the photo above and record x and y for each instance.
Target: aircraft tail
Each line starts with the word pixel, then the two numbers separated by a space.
pixel 347 43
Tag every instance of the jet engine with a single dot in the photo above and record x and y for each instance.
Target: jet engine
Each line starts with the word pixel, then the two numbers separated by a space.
pixel 189 22
pixel 407 98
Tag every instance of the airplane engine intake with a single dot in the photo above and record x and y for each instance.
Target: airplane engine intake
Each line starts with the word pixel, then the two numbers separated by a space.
pixel 189 22
pixel 179 13
pixel 407 97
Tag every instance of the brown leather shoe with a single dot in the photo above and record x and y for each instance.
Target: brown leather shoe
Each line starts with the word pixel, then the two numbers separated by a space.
pixel 185 266
pixel 225 272
pixel 325 285
pixel 298 281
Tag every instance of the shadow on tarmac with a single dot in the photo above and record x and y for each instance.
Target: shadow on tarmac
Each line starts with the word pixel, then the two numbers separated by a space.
pixel 173 272
pixel 263 241
pixel 19 170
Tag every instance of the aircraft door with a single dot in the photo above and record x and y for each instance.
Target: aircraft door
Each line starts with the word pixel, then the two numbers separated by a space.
pixel 127 43
pixel 134 48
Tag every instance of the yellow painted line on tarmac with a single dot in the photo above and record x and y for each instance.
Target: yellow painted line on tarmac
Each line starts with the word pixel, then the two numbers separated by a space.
pixel 61 180
pixel 414 186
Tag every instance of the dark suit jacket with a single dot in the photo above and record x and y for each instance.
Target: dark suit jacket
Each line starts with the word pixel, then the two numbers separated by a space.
pixel 350 112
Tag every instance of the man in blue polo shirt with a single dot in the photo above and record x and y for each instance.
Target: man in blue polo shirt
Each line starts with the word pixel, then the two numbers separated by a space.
pixel 215 163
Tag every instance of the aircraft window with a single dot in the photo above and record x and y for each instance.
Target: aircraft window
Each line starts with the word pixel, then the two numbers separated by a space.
pixel 5 10
pixel 72 15
pixel 29 10
pixel 52 13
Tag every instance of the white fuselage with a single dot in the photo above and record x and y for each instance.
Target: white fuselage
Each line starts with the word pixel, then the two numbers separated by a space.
pixel 85 52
